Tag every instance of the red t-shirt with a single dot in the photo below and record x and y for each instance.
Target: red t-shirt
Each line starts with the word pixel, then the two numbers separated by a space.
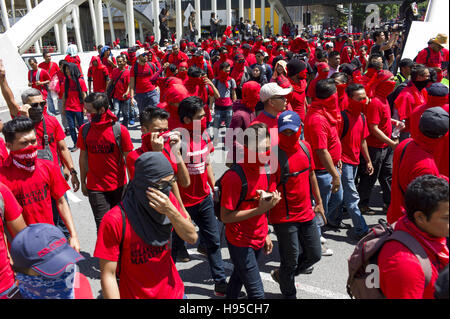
pixel 3 151
pixel 321 135
pixel 43 76
pixel 142 77
pixel 52 68
pixel 122 84
pixel 408 99
pixel 416 162
pixel 73 102
pixel 298 193
pixel 196 159
pixel 434 60
pixel 55 135
pixel 11 212
pixel 99 78
pixel 107 170
pixel 351 143
pixel 147 272
pixel 35 190
pixel 251 232
pixel 134 155
pixel 108 66
pixel 379 113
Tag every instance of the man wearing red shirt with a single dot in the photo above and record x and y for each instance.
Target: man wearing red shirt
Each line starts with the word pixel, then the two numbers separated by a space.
pixel 11 217
pixel 142 91
pixel 432 55
pixel 379 142
pixel 414 157
pixel 38 78
pixel 297 74
pixel 120 81
pixel 246 226
pixel 412 96
pixel 197 197
pixel 102 160
pixel 141 251
pixel 341 80
pixel 52 69
pixel 99 74
pixel 34 182
pixel 322 73
pixel 198 60
pixel 177 56
pixel 353 141
pixel 293 217
pixel 401 274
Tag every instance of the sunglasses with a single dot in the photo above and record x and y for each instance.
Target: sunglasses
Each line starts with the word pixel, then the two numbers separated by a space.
pixel 163 184
pixel 41 104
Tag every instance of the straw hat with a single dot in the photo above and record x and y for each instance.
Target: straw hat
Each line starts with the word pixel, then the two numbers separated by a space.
pixel 440 39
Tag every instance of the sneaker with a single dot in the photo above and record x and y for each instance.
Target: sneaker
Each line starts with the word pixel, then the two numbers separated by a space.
pixel 326 251
pixel 202 250
pixel 275 274
pixel 220 289
pixel 323 240
pixel 365 210
pixel 341 225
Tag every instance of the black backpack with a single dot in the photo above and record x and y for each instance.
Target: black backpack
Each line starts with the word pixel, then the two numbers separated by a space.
pixel 394 95
pixel 346 123
pixel 244 188
pixel 285 174
pixel 444 64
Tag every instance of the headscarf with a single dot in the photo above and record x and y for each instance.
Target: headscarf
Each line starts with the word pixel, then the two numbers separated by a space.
pixel 283 64
pixel 104 49
pixel 152 227
pixel 376 86
pixel 72 50
pixel 250 94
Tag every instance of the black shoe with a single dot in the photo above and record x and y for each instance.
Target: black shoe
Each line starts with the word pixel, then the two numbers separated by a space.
pixel 341 225
pixel 202 250
pixel 220 289
pixel 275 275
pixel 183 255
pixel 307 271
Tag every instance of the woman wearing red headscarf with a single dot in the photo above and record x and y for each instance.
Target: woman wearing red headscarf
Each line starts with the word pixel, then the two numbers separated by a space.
pixel 347 54
pixel 243 115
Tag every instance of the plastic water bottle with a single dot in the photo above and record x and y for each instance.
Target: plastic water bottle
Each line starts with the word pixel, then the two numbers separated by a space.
pixel 396 131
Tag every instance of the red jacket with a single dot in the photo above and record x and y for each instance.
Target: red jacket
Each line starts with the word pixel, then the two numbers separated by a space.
pixel 401 275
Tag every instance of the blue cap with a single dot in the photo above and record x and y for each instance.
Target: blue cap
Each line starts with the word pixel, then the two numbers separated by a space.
pixel 44 248
pixel 437 89
pixel 289 120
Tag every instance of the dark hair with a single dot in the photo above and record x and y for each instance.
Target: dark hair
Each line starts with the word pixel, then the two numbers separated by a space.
pixel 375 35
pixel 189 107
pixel 321 54
pixel 333 54
pixel 365 47
pixel 418 70
pixel 99 46
pixel 150 113
pixel 45 52
pixel 173 68
pixel 19 124
pixel 74 76
pixel 98 100
pixel 406 63
pixel 340 75
pixel 195 72
pixel 424 194
pixel 221 49
pixel 325 88
pixel 256 128
pixel 352 88
pixel 375 65
pixel 32 59
pixel 224 65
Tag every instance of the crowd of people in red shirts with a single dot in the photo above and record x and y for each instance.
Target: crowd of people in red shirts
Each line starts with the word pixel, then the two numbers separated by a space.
pixel 321 120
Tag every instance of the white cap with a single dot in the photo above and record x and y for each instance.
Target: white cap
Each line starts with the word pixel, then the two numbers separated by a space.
pixel 140 52
pixel 272 89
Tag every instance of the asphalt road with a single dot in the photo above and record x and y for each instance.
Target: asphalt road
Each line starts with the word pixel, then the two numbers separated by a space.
pixel 327 281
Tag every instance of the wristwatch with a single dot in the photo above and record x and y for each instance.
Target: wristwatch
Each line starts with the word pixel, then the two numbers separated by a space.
pixel 73 172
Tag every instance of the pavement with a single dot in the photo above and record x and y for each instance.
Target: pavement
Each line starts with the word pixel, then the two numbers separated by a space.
pixel 327 281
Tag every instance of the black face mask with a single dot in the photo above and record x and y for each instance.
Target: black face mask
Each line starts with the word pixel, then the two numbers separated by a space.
pixel 421 84
pixel 36 114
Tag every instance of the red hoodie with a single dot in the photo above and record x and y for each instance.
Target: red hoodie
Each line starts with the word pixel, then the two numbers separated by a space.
pixel 401 275
pixel 98 74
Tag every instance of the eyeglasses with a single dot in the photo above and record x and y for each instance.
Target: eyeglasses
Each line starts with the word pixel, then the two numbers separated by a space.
pixel 163 184
pixel 41 104
pixel 278 98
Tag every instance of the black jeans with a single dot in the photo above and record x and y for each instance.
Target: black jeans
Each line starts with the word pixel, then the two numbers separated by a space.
pixel 299 247
pixel 102 202
pixel 382 170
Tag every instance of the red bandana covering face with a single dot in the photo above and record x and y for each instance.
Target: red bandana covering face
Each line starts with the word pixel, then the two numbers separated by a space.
pixel 25 158
pixel 322 70
pixel 250 94
pixel 328 108
pixel 224 77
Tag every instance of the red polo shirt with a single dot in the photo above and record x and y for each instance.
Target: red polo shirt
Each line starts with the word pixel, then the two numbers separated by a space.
pixel 351 143
pixel 379 113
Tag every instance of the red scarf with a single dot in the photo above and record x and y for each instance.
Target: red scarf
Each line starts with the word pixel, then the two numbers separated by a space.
pixel 224 77
pixel 328 108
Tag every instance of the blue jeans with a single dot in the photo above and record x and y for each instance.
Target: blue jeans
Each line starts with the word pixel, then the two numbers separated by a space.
pixel 51 104
pixel 71 118
pixel 245 273
pixel 331 202
pixel 299 247
pixel 147 99
pixel 351 199
pixel 203 216
pixel 122 107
